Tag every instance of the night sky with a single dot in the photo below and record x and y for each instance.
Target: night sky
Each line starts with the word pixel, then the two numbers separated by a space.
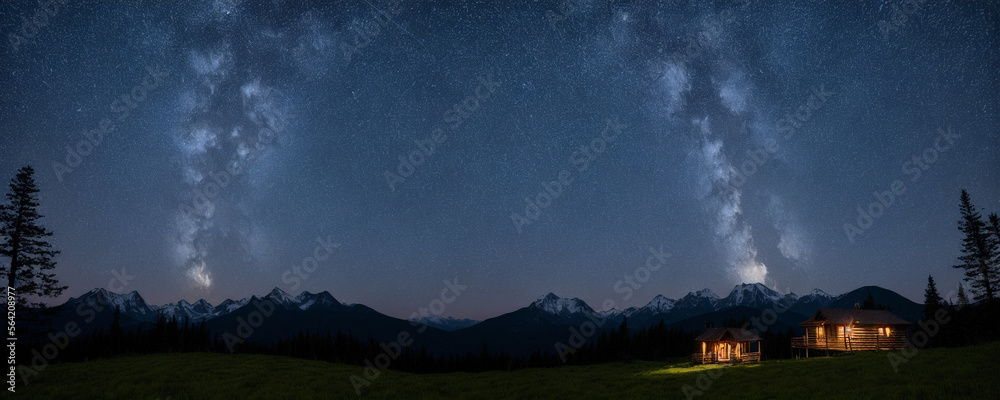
pixel 206 149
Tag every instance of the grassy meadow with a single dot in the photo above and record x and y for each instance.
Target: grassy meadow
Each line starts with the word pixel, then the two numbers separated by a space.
pixel 930 374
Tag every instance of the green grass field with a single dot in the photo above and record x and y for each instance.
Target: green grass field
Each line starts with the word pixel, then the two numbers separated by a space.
pixel 963 373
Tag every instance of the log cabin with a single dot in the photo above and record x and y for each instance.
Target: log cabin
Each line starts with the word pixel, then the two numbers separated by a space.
pixel 845 329
pixel 726 345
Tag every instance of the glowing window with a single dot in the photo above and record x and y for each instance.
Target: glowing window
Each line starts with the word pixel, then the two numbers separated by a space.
pixel 881 332
pixel 887 332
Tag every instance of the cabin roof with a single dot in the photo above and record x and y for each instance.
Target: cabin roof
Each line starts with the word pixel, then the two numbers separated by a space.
pixel 852 316
pixel 727 334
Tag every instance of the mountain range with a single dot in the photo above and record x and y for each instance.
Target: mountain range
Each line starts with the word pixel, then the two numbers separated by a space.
pixel 537 326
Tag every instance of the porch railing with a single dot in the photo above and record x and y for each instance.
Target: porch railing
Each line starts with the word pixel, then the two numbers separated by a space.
pixel 712 358
pixel 850 343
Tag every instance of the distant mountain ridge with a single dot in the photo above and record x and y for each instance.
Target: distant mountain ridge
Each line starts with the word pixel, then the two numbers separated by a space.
pixel 131 304
pixel 753 295
pixel 446 323
pixel 533 327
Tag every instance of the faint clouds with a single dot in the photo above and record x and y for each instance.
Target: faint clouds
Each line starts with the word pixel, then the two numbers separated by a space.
pixel 734 92
pixel 200 276
pixel 793 241
pixel 675 83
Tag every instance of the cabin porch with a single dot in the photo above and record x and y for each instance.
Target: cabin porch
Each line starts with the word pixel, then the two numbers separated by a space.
pixel 726 353
pixel 874 343
pixel 852 330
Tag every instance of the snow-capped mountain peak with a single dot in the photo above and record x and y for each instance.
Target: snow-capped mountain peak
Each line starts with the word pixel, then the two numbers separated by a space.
pixel 228 305
pixel 751 295
pixel 700 301
pixel 131 303
pixel 200 310
pixel 660 304
pixel 281 297
pixel 555 305
pixel 608 313
pixel 280 294
pixel 307 300
pixel 202 306
pixel 818 293
pixel 704 293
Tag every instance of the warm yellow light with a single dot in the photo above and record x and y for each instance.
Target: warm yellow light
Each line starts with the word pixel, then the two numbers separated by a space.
pixel 677 369
pixel 887 332
pixel 881 331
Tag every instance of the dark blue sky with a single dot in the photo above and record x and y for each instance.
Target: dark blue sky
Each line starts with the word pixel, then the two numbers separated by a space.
pixel 743 136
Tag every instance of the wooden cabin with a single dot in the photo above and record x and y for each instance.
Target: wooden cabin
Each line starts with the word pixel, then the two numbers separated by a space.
pixel 726 345
pixel 846 329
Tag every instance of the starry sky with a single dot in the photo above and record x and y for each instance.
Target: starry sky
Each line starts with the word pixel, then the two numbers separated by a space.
pixel 375 149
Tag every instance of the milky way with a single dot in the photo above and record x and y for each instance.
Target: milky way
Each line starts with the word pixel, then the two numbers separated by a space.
pixel 754 131
pixel 722 83
pixel 231 117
